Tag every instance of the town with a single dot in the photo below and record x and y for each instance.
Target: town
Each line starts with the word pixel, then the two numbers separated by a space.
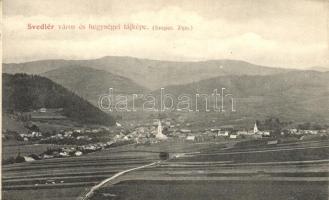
pixel 80 141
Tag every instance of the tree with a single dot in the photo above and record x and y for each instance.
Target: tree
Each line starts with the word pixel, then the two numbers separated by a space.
pixel 19 158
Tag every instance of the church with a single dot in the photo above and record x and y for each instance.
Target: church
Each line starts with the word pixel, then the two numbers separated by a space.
pixel 159 134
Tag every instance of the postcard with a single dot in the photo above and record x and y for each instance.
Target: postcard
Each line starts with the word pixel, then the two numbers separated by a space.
pixel 165 100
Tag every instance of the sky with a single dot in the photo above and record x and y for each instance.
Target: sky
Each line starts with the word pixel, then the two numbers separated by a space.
pixel 280 33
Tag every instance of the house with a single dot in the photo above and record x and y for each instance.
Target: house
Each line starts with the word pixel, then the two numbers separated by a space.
pixel 266 133
pixel 272 142
pixel 95 130
pixel 312 132
pixel 243 133
pixel 232 136
pixel 28 159
pixel 78 153
pixel 64 154
pixel 36 134
pixel 214 130
pixel 67 134
pixel 190 137
pixel 223 133
pixel 185 131
pixel 46 156
pixel 293 131
pixel 42 110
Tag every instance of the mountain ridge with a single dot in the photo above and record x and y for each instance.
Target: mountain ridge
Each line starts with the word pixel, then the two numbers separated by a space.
pixel 90 83
pixel 301 95
pixel 148 73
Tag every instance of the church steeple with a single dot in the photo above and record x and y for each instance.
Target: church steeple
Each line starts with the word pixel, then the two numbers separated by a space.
pixel 255 128
pixel 159 134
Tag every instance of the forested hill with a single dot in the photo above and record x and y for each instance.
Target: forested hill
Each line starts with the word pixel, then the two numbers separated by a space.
pixel 151 74
pixel 22 93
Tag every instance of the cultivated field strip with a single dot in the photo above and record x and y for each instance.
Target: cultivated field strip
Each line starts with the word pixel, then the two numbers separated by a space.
pixel 307 167
pixel 50 186
pixel 73 160
pixel 94 164
pixel 268 164
pixel 277 147
pixel 264 155
pixel 61 174
pixel 69 172
pixel 249 151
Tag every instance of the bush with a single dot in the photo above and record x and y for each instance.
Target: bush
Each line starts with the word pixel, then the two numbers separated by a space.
pixel 164 156
pixel 19 159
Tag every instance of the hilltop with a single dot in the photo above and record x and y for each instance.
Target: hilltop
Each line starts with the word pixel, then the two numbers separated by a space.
pixel 151 74
pixel 25 93
pixel 90 83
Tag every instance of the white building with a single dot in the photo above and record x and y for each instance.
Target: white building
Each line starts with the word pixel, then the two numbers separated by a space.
pixel 233 136
pixel 159 134
pixel 190 137
pixel 255 129
pixel 262 133
pixel 223 133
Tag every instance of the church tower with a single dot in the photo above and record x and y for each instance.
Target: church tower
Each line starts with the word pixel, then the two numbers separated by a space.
pixel 255 128
pixel 159 134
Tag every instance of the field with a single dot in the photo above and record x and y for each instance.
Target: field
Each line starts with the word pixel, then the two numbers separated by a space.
pixel 11 150
pixel 51 194
pixel 194 171
pixel 223 190
pixel 66 178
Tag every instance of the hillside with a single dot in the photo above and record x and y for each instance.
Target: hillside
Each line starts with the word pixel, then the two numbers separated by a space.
pixel 23 93
pixel 301 95
pixel 90 83
pixel 151 74
pixel 320 68
pixel 12 124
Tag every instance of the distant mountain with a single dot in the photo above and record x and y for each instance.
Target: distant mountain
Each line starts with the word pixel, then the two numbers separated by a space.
pixel 151 74
pixel 90 83
pixel 23 93
pixel 298 95
pixel 320 68
pixel 258 91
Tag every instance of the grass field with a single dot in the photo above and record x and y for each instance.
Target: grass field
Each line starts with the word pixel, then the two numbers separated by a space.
pixel 44 194
pixel 216 190
pixel 202 171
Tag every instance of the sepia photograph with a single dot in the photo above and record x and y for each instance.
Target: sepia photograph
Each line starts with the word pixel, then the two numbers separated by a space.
pixel 165 100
